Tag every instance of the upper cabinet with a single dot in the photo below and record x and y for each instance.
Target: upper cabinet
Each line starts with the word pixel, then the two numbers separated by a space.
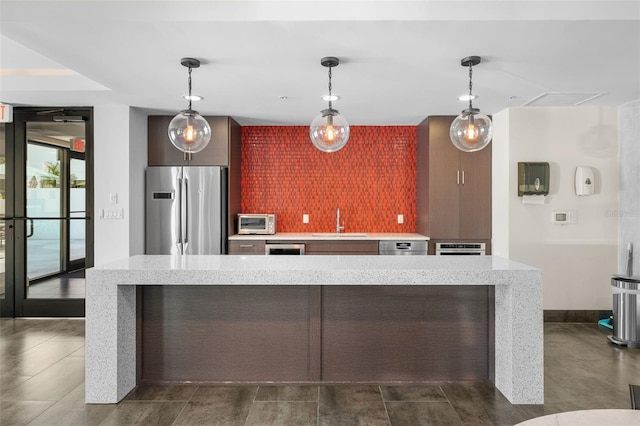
pixel 453 188
pixel 224 150
pixel 217 153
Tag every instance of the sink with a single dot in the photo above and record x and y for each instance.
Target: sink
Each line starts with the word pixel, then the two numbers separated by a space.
pixel 340 235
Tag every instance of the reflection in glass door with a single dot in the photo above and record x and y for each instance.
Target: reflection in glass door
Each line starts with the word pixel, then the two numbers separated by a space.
pixel 77 211
pixel 56 212
pixel 44 210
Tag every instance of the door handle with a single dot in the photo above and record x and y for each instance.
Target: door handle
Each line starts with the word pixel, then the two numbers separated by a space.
pixel 179 244
pixel 28 219
pixel 186 212
pixel 458 177
pixel 463 177
pixel 31 227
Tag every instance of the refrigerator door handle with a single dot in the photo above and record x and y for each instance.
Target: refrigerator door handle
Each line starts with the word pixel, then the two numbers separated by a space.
pixel 180 209
pixel 186 215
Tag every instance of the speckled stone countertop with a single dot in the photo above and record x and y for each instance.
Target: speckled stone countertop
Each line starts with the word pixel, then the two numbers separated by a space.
pixel 111 305
pixel 312 236
pixel 315 270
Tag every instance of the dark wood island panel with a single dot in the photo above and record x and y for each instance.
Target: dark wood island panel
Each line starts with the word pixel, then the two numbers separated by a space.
pixel 405 333
pixel 301 333
pixel 225 333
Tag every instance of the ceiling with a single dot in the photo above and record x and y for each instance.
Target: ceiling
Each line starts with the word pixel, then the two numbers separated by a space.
pixel 400 60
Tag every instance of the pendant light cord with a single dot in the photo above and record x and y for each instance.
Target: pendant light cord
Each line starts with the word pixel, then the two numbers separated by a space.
pixel 189 88
pixel 470 85
pixel 330 106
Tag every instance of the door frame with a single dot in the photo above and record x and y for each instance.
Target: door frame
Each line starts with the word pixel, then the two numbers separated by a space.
pixel 16 268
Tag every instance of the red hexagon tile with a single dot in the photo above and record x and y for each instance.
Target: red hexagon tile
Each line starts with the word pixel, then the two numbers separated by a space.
pixel 372 179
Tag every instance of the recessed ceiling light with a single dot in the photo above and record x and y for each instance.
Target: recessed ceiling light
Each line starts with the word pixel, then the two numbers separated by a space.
pixel 331 98
pixel 193 98
pixel 467 97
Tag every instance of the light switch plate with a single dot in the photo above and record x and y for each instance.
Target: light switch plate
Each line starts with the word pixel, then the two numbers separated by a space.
pixel 112 214
pixel 400 218
pixel 305 218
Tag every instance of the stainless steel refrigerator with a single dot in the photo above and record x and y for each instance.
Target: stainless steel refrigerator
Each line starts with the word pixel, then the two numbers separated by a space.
pixel 186 210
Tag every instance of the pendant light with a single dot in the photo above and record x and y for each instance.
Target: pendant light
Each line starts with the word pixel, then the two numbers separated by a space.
pixel 329 131
pixel 189 131
pixel 471 130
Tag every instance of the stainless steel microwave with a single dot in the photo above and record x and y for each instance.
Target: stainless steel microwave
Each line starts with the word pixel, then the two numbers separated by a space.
pixel 256 224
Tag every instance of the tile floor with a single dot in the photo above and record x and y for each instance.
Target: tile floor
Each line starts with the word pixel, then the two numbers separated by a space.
pixel 42 383
pixel 63 286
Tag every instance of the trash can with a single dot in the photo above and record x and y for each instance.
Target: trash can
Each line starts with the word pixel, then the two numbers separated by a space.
pixel 626 311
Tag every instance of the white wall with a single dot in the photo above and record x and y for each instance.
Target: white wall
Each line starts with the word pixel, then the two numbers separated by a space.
pixel 629 212
pixel 137 165
pixel 578 259
pixel 116 165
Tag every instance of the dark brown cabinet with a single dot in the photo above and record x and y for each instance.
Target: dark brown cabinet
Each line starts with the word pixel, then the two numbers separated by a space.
pixel 453 188
pixel 312 247
pixel 347 247
pixel 246 247
pixel 224 150
pixel 163 153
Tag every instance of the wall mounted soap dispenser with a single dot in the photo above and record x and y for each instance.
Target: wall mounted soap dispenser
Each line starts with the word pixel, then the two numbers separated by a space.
pixel 585 180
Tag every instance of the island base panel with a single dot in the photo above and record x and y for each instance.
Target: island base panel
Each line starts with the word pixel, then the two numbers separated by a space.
pixel 225 333
pixel 392 333
pixel 315 333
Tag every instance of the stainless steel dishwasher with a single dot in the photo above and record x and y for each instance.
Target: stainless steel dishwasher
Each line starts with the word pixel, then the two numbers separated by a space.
pixel 392 247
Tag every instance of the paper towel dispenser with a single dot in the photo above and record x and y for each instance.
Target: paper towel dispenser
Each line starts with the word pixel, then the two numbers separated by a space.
pixel 533 179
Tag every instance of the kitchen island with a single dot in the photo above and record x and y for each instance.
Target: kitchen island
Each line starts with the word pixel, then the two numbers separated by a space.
pixel 320 319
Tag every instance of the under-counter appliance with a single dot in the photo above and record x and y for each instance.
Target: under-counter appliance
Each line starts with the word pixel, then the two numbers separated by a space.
pixel 271 249
pixel 460 249
pixel 186 210
pixel 259 224
pixel 393 247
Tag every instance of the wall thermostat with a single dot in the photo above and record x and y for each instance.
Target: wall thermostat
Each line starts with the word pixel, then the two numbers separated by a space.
pixel 563 217
pixel 585 180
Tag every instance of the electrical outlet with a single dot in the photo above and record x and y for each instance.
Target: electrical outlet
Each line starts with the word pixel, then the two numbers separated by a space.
pixel 400 218
pixel 305 218
pixel 113 198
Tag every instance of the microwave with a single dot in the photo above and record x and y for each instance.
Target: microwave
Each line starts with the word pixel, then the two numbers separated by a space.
pixel 256 224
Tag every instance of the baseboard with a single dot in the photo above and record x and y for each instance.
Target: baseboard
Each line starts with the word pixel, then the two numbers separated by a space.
pixel 575 316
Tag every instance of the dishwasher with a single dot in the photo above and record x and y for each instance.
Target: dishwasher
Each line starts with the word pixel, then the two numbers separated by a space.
pixel 392 247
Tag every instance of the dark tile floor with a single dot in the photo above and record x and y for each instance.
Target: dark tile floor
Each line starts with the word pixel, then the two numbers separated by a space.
pixel 63 286
pixel 42 383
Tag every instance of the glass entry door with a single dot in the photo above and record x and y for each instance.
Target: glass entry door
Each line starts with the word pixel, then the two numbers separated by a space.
pixel 52 225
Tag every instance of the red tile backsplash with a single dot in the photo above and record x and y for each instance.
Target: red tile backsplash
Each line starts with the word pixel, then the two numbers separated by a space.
pixel 372 179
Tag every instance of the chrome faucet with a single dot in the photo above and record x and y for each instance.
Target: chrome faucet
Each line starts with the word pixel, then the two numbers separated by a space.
pixel 338 226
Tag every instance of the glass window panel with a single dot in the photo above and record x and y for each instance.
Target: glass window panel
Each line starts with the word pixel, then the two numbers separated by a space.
pixel 77 206
pixel 3 196
pixel 44 199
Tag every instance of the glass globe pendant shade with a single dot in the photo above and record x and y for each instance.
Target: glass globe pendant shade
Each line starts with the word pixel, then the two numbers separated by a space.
pixel 189 131
pixel 329 131
pixel 471 131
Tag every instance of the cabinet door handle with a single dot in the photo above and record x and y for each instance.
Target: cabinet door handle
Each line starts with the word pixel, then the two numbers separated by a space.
pixel 458 177
pixel 246 245
pixel 463 177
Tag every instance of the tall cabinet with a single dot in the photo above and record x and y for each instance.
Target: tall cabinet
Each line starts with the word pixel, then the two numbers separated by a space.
pixel 453 188
pixel 223 150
